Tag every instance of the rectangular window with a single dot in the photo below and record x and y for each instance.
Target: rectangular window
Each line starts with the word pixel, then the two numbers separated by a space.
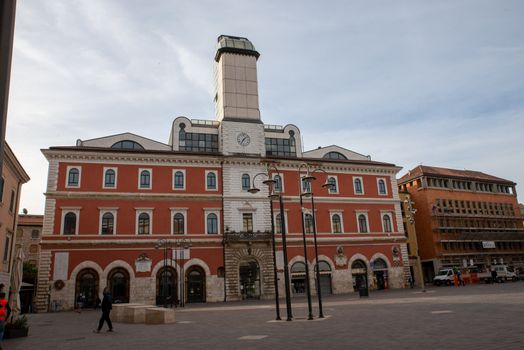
pixel 6 248
pixel 1 190
pixel 12 201
pixel 35 234
pixel 247 220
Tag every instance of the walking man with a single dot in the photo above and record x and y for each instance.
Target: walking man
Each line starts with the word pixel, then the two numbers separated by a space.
pixel 107 305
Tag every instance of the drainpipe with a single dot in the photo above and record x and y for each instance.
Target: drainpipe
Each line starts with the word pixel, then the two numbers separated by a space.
pixel 223 231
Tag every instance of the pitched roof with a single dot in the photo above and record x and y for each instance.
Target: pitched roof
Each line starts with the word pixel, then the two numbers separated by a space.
pixel 454 173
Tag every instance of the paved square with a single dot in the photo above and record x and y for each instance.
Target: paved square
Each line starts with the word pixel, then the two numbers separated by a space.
pixel 477 316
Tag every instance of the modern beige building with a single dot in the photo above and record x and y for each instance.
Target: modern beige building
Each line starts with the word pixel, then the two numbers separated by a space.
pixel 13 177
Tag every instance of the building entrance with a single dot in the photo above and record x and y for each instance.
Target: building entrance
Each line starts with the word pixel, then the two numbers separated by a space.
pixel 249 277
pixel 196 285
pixel 87 287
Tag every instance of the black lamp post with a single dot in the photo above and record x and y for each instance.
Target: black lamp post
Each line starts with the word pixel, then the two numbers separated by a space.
pixel 270 183
pixel 309 178
pixel 182 245
pixel 163 244
pixel 308 288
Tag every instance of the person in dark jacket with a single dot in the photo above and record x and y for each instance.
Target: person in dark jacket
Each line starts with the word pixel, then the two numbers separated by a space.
pixel 107 305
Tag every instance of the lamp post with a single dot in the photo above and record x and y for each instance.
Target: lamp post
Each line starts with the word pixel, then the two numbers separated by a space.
pixel 270 183
pixel 308 290
pixel 309 178
pixel 163 244
pixel 182 245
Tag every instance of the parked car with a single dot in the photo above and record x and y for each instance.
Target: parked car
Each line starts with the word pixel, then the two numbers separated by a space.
pixel 444 276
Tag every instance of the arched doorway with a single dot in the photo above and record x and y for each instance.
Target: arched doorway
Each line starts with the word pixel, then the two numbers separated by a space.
pixel 118 284
pixel 87 285
pixel 249 278
pixel 166 286
pixel 196 285
pixel 359 274
pixel 325 277
pixel 298 277
pixel 380 273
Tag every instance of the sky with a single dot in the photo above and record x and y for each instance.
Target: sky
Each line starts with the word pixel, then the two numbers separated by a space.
pixel 438 83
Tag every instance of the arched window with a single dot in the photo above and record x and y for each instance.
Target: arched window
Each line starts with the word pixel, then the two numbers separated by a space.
pixel 178 224
pixel 308 223
pixel 335 156
pixel 179 179
pixel 143 224
pixel 212 224
pixel 381 186
pixel 211 181
pixel 358 185
pixel 246 182
pixel 333 182
pixel 109 178
pixel 127 144
pixel 386 221
pixel 108 222
pixel 306 185
pixel 87 286
pixel 145 179
pixel 337 224
pixel 298 267
pixel 362 224
pixel 73 178
pixel 278 183
pixel 70 224
pixel 323 266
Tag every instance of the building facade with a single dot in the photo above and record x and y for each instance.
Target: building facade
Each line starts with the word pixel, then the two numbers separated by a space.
pixel 149 219
pixel 464 218
pixel 13 177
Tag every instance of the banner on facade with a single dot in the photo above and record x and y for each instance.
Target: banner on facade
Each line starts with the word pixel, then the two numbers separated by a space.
pixel 181 254
pixel 488 244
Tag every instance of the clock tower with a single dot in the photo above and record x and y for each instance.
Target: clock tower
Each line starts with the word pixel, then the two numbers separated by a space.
pixel 236 97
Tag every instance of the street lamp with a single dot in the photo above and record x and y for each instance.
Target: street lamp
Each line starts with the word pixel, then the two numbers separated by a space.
pixel 308 192
pixel 163 244
pixel 182 245
pixel 270 183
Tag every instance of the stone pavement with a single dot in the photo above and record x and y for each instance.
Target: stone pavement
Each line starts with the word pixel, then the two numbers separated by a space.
pixel 476 316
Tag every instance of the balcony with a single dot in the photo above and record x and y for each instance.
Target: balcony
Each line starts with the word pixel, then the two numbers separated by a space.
pixel 258 236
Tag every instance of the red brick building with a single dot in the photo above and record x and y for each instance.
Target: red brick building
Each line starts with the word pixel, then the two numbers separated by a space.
pixel 464 218
pixel 110 200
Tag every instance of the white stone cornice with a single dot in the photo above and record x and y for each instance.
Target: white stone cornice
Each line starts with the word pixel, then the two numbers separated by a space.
pixel 130 195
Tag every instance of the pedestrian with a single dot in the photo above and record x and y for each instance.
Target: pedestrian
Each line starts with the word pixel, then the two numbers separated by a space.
pixel 107 305
pixel 459 277
pixel 5 311
pixel 493 275
pixel 79 303
pixel 410 281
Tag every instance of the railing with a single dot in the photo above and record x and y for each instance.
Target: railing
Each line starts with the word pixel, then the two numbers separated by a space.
pixel 247 236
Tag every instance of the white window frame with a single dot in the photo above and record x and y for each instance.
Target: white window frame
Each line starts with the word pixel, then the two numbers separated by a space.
pixel 139 211
pixel 102 211
pixel 175 211
pixel 104 177
pixel 365 213
pixel 361 184
pixel 388 213
pixel 150 178
pixel 336 184
pixel 378 186
pixel 65 210
pixel 183 171
pixel 277 212
pixel 217 213
pixel 205 180
pixel 69 167
pixel 281 179
pixel 340 214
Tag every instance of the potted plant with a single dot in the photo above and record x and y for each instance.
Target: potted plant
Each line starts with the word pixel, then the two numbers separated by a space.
pixel 17 327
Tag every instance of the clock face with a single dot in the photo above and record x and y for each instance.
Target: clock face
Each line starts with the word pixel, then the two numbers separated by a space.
pixel 243 139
